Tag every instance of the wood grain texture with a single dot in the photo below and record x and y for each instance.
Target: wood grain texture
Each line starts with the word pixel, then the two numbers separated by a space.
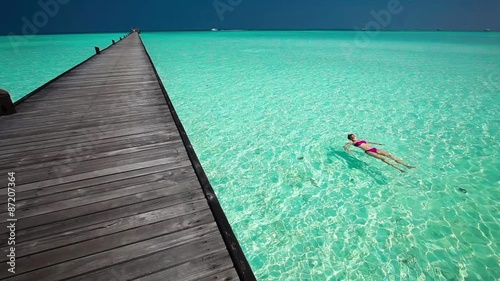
pixel 105 188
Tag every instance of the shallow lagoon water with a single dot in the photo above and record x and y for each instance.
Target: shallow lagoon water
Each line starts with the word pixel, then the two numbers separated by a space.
pixel 29 62
pixel 268 114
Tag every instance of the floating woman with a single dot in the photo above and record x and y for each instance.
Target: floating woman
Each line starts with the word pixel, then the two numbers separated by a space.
pixel 375 152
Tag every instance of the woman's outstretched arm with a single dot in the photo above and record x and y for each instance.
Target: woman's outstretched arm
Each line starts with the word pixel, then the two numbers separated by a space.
pixel 346 147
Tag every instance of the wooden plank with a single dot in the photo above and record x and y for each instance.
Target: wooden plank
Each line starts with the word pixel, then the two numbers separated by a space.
pixel 83 119
pixel 76 146
pixel 26 117
pixel 76 153
pixel 95 104
pixel 122 105
pixel 80 153
pixel 23 202
pixel 51 250
pixel 49 110
pixel 108 87
pixel 181 245
pixel 98 132
pixel 86 147
pixel 81 74
pixel 228 275
pixel 190 217
pixel 195 269
pixel 81 165
pixel 84 216
pixel 162 189
pixel 89 77
pixel 177 161
pixel 133 269
pixel 110 179
pixel 90 97
pixel 117 81
pixel 86 99
pixel 168 178
pixel 188 202
pixel 85 128
pixel 94 76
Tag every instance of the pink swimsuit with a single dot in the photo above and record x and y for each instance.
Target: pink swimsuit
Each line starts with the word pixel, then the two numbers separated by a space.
pixel 358 143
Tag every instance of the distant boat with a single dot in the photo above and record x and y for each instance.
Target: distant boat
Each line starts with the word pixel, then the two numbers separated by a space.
pixel 487 29
pixel 215 29
pixel 439 29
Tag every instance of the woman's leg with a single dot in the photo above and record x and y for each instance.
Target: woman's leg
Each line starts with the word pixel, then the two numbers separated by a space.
pixel 385 153
pixel 373 154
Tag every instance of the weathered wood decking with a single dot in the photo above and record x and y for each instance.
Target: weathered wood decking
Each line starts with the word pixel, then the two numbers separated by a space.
pixel 105 188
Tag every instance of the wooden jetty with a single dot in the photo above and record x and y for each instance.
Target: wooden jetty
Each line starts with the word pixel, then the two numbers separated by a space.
pixel 107 184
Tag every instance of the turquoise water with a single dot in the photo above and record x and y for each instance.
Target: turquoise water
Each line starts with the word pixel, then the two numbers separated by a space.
pixel 269 112
pixel 28 63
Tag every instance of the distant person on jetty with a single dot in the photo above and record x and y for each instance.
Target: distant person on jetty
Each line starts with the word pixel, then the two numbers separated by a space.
pixel 374 152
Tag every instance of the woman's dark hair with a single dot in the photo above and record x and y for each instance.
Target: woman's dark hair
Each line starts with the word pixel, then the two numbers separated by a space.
pixel 349 136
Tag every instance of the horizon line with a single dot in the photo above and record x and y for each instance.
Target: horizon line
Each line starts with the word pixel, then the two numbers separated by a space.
pixel 259 29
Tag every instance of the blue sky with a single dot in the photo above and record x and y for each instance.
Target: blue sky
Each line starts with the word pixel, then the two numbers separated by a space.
pixel 63 16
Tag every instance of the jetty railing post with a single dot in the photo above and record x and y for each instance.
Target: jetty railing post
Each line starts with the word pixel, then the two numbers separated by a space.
pixel 6 105
pixel 113 41
pixel 97 51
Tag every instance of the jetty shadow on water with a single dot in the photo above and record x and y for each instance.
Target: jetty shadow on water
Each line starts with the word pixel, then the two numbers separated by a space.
pixel 354 163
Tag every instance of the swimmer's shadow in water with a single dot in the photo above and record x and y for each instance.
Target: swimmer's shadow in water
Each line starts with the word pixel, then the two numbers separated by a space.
pixel 354 163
